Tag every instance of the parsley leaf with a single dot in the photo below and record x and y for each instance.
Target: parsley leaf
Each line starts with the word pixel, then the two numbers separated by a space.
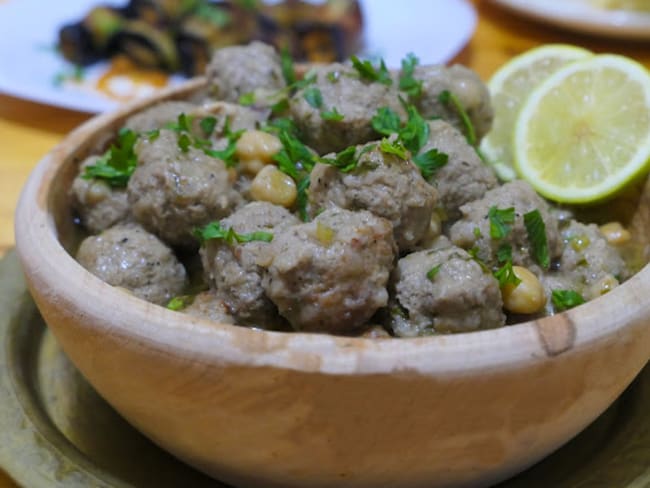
pixel 536 229
pixel 118 163
pixel 386 121
pixel 314 97
pixel 504 253
pixel 247 99
pixel 407 83
pixel 430 161
pixel 415 133
pixel 280 124
pixel 214 230
pixel 227 155
pixel 431 274
pixel 333 114
pixel 367 71
pixel 288 70
pixel 184 142
pixel 505 275
pixel 448 98
pixel 565 299
pixel 345 160
pixel 301 199
pixel 396 148
pixel 501 221
pixel 180 302
pixel 208 125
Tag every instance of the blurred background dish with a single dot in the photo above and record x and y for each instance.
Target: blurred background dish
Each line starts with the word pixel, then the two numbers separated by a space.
pixel 624 19
pixel 32 68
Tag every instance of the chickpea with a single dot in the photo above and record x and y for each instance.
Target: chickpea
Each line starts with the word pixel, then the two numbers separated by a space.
pixel 251 166
pixel 255 144
pixel 615 233
pixel 272 185
pixel 527 297
pixel 603 285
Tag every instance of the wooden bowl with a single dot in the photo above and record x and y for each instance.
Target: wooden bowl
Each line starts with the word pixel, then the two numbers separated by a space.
pixel 272 409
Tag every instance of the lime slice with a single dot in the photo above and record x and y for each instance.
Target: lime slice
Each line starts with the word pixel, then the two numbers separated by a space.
pixel 509 87
pixel 584 132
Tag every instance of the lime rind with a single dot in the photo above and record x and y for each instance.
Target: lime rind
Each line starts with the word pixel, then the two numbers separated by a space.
pixel 564 191
pixel 537 63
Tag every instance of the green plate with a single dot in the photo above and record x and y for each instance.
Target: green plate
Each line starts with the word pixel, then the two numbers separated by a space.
pixel 56 431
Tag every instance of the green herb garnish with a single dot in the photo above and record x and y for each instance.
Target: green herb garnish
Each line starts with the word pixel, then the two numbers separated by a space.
pixel 345 161
pixel 219 17
pixel 214 230
pixel 501 221
pixel 394 147
pixel 536 230
pixel 247 99
pixel 314 97
pixel 184 142
pixel 208 125
pixel 386 121
pixel 288 71
pixel 407 82
pixel 431 274
pixel 506 275
pixel 118 163
pixel 415 132
pixel 448 98
pixel 565 299
pixel 333 114
pixel 430 161
pixel 180 302
pixel 367 71
pixel 504 253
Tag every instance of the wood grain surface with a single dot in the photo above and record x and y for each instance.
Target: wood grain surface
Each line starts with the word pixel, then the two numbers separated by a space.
pixel 29 130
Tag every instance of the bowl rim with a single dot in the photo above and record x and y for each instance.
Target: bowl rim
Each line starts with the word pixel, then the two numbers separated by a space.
pixel 53 274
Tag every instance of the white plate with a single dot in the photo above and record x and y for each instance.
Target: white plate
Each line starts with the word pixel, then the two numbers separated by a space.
pixel 29 65
pixel 583 16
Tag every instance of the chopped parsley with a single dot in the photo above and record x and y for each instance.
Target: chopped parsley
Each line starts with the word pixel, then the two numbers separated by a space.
pixel 415 133
pixel 313 96
pixel 448 98
pixel 208 125
pixel 301 199
pixel 506 275
pixel 345 161
pixel 118 163
pixel 536 230
pixel 227 155
pixel 282 124
pixel 407 82
pixel 247 99
pixel 333 115
pixel 386 121
pixel 394 147
pixel 180 302
pixel 504 253
pixel 431 274
pixel 184 142
pixel 288 71
pixel 214 230
pixel 565 299
pixel 501 221
pixel 430 161
pixel 368 72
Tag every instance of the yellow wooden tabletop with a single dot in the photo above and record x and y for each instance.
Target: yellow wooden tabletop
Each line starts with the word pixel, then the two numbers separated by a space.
pixel 28 130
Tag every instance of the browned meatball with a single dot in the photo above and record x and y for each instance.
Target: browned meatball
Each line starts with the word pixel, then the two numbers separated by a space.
pixel 235 270
pixel 464 177
pixel 382 183
pixel 132 258
pixel 330 275
pixel 444 290
pixel 238 70
pixel 99 205
pixel 473 231
pixel 356 99
pixel 172 192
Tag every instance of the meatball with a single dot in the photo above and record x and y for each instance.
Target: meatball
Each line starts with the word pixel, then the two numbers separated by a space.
pixel 207 305
pixel 98 205
pixel 356 99
pixel 464 177
pixel 473 230
pixel 382 183
pixel 444 290
pixel 171 192
pixel 158 115
pixel 235 270
pixel 588 259
pixel 464 84
pixel 132 258
pixel 238 70
pixel 330 275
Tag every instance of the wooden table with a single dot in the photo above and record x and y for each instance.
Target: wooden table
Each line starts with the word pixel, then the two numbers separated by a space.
pixel 29 130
